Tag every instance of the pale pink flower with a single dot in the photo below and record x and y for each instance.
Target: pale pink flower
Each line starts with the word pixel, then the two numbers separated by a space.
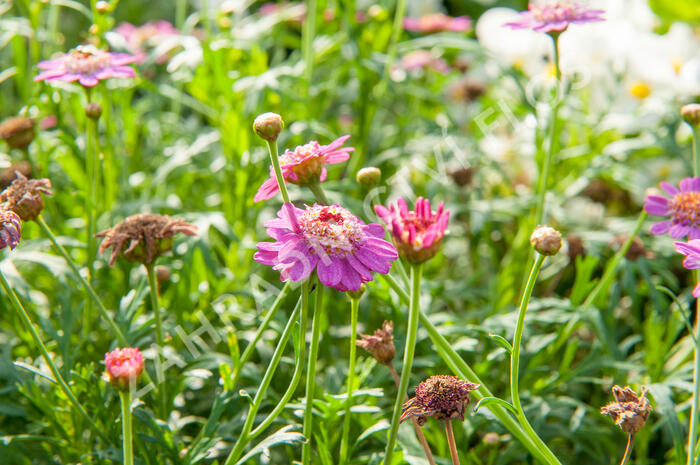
pixel 555 16
pixel 437 22
pixel 88 65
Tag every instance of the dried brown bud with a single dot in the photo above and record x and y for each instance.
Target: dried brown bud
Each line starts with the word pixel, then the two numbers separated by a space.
pixel 463 176
pixel 629 411
pixel 17 131
pixel 268 126
pixel 93 110
pixel 691 114
pixel 9 174
pixel 148 236
pixel 162 273
pixel 369 177
pixel 546 240
pixel 380 344
pixel 442 397
pixel 23 196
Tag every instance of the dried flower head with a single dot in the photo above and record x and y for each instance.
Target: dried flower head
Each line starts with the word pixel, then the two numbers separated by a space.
pixel 88 65
pixel 23 196
pixel 124 367
pixel 546 240
pixel 629 411
pixel 555 16
pixel 10 229
pixel 9 174
pixel 148 236
pixel 17 131
pixel 380 344
pixel 442 397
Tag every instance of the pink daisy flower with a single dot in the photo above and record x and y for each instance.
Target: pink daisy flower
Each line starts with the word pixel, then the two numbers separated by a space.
pixel 437 22
pixel 683 209
pixel 691 250
pixel 555 16
pixel 150 34
pixel 329 239
pixel 124 367
pixel 417 233
pixel 305 165
pixel 88 65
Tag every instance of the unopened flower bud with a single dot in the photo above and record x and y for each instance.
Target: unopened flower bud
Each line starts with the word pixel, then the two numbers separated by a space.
pixel 546 240
pixel 358 293
pixel 124 367
pixel 102 7
pixel 380 344
pixel 93 110
pixel 369 177
pixel 17 131
pixel 162 273
pixel 94 29
pixel 268 126
pixel 691 114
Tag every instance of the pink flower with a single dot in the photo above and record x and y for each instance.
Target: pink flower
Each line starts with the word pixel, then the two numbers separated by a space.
pixel 10 229
pixel 555 16
pixel 420 59
pixel 88 65
pixel 329 239
pixel 149 34
pixel 124 367
pixel 691 250
pixel 683 208
pixel 437 22
pixel 305 165
pixel 417 234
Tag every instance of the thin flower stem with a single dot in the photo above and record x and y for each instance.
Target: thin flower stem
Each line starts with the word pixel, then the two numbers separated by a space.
pixel 451 442
pixel 298 369
pixel 460 368
pixel 308 42
pixel 258 334
pixel 695 408
pixel 127 441
pixel 317 190
pixel 91 172
pixel 47 358
pixel 307 428
pixel 517 338
pixel 409 350
pixel 547 162
pixel 242 441
pixel 416 426
pixel 354 307
pixel 160 376
pixel 696 151
pixel 628 449
pixel 275 160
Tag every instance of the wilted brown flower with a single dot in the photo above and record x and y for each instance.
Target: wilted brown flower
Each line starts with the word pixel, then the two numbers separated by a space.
pixel 380 344
pixel 23 196
pixel 442 397
pixel 148 236
pixel 629 411
pixel 17 131
pixel 636 250
pixel 9 174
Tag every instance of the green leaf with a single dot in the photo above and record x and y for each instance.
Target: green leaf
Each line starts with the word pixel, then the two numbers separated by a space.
pixel 675 10
pixel 34 370
pixel 282 437
pixel 501 341
pixel 494 400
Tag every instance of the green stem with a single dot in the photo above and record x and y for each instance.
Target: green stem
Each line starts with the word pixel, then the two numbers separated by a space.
pixel 258 334
pixel 547 162
pixel 298 369
pixel 127 428
pixel 409 350
pixel 695 408
pixel 45 354
pixel 354 306
pixel 460 368
pixel 91 171
pixel 317 190
pixel 451 442
pixel 307 43
pixel 628 449
pixel 311 375
pixel 696 151
pixel 180 14
pixel 160 375
pixel 242 441
pixel 275 160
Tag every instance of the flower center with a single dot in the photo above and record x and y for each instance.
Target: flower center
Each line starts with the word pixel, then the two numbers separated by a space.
pixel 331 230
pixel 86 59
pixel 413 223
pixel 299 153
pixel 685 209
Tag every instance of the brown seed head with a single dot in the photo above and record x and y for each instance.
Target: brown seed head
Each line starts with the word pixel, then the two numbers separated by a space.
pixel 380 344
pixel 546 240
pixel 148 236
pixel 17 131
pixel 9 174
pixel 23 196
pixel 442 397
pixel 691 114
pixel 629 411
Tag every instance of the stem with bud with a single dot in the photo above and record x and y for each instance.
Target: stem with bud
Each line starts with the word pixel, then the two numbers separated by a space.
pixel 127 442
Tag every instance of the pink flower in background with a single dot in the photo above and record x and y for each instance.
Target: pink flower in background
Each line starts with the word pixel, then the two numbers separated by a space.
pixel 555 16
pixel 421 59
pixel 305 165
pixel 682 208
pixel 691 250
pixel 329 239
pixel 10 229
pixel 88 65
pixel 124 367
pixel 437 22
pixel 417 233
pixel 150 34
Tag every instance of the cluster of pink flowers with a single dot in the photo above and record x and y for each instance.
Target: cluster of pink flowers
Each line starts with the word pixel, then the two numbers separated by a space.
pixel 437 22
pixel 88 65
pixel 555 16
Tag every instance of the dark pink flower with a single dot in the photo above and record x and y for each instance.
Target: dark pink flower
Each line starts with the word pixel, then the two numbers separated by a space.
pixel 437 22
pixel 305 165
pixel 124 367
pixel 10 228
pixel 555 16
pixel 88 65
pixel 329 239
pixel 683 209
pixel 417 234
